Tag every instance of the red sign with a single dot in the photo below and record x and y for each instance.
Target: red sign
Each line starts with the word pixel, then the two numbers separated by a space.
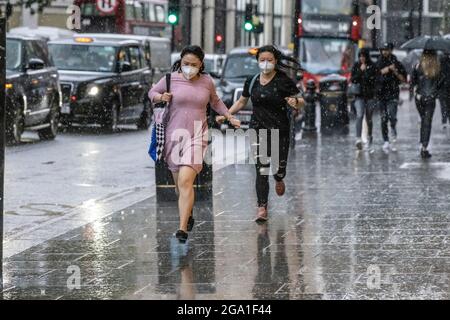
pixel 106 6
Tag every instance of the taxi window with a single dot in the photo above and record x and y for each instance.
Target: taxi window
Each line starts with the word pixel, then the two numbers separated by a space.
pixel 144 63
pixel 95 58
pixel 41 52
pixel 13 54
pixel 31 52
pixel 135 58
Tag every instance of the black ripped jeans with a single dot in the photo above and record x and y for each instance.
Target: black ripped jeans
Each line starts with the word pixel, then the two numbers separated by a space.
pixel 266 155
pixel 426 108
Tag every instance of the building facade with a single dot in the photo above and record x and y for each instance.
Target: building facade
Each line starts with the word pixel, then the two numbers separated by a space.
pixel 218 25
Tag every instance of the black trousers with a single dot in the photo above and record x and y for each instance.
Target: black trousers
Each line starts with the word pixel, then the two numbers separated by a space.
pixel 265 156
pixel 445 109
pixel 426 108
pixel 388 109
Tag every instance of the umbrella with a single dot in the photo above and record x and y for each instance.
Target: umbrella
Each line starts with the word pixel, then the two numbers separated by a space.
pixel 428 43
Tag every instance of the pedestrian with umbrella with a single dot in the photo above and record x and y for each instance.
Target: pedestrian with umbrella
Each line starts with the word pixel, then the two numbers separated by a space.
pixel 428 80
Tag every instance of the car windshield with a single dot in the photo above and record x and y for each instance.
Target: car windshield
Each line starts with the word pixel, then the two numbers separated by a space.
pixel 327 7
pixel 241 66
pixel 83 57
pixel 327 56
pixel 209 65
pixel 13 54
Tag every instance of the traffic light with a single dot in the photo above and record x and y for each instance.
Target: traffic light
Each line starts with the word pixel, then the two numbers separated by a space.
pixel 248 25
pixel 174 12
pixel 219 38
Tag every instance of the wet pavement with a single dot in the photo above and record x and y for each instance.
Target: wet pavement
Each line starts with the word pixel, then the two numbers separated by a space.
pixel 353 225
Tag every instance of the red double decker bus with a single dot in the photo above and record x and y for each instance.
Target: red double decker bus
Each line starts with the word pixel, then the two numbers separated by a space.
pixel 327 36
pixel 140 17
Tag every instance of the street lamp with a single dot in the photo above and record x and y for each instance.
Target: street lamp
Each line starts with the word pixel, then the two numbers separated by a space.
pixel 2 135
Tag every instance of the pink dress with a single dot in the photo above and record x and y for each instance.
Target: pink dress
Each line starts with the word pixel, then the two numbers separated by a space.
pixel 187 128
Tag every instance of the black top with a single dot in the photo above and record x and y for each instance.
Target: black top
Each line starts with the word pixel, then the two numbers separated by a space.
pixel 270 109
pixel 428 88
pixel 388 84
pixel 445 72
pixel 366 79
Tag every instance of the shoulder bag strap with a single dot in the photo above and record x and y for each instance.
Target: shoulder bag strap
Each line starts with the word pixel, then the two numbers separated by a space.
pixel 252 84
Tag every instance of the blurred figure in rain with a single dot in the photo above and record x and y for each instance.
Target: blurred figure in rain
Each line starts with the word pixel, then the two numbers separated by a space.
pixel 427 81
pixel 364 76
pixel 391 73
pixel 444 93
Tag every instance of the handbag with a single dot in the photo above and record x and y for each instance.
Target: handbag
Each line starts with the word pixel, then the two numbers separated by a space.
pixel 354 89
pixel 160 119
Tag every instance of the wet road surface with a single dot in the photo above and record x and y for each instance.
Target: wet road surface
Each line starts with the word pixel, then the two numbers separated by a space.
pixel 353 225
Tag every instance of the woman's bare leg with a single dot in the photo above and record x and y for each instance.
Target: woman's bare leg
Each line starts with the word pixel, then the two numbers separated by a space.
pixel 175 179
pixel 186 199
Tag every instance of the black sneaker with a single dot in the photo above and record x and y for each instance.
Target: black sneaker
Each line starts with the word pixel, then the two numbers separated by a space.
pixel 191 223
pixel 425 154
pixel 181 236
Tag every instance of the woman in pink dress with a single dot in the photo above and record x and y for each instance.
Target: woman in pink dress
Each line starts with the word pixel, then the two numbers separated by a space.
pixel 187 129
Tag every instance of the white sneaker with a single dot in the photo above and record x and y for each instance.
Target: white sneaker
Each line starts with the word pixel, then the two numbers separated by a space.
pixel 386 146
pixel 359 144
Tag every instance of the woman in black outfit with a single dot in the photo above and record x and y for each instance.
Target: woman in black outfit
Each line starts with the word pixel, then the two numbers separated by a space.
pixel 364 75
pixel 427 80
pixel 271 92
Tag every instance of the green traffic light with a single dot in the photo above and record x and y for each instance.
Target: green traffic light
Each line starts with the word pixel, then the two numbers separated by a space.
pixel 248 26
pixel 173 19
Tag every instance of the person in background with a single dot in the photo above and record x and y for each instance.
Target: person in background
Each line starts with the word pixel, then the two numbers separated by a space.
pixel 427 81
pixel 444 93
pixel 391 73
pixel 364 75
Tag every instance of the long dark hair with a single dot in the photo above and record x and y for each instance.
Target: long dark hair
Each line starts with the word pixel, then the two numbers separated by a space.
pixel 196 51
pixel 281 59
pixel 366 54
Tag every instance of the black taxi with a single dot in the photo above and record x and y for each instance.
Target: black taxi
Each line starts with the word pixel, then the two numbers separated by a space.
pixel 103 82
pixel 33 96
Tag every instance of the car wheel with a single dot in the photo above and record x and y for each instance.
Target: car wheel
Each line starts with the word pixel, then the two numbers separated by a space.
pixel 15 127
pixel 145 120
pixel 51 132
pixel 111 123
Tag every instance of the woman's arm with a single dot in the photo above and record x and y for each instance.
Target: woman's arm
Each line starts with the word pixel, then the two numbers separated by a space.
pixel 239 105
pixel 158 92
pixel 218 106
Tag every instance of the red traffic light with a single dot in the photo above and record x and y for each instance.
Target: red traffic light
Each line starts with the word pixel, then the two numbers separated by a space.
pixel 219 38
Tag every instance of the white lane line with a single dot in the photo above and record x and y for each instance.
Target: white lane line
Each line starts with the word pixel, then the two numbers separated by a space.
pixel 46 274
pixel 124 265
pixel 111 243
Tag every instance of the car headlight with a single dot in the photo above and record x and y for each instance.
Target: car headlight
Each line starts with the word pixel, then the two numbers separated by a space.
pixel 93 91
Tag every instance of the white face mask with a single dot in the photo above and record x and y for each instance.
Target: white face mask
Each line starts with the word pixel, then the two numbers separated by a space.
pixel 189 72
pixel 266 67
